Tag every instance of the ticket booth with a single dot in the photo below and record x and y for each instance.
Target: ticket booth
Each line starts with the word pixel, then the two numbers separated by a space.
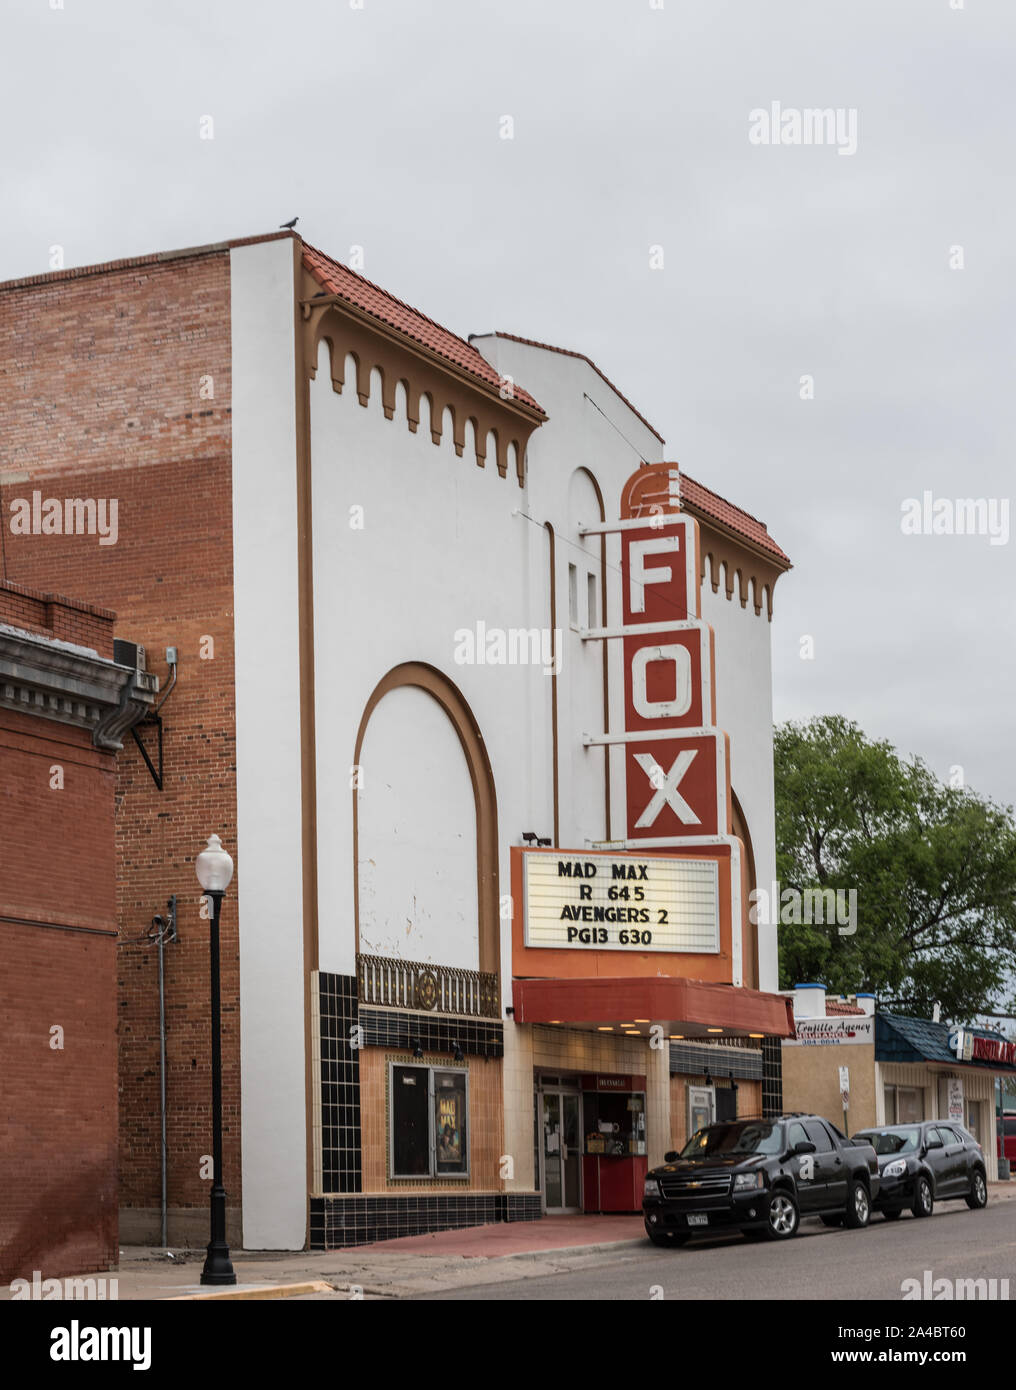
pixel 614 1153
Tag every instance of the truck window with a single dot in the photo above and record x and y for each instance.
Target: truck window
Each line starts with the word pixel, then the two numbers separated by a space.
pixel 796 1134
pixel 819 1136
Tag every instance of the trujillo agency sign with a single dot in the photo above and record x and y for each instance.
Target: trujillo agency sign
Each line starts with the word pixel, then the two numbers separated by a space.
pixel 831 1032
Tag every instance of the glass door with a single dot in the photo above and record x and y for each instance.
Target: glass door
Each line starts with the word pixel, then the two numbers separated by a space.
pixel 560 1151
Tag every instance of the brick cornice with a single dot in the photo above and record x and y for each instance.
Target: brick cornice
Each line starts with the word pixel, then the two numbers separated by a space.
pixel 72 685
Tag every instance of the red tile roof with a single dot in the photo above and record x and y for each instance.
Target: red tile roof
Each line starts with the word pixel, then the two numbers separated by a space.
pixel 834 1009
pixel 567 352
pixel 711 504
pixel 339 280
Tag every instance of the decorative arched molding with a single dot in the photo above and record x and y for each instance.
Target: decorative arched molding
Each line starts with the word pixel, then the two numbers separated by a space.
pixel 373 348
pixel 452 701
pixel 749 940
pixel 738 569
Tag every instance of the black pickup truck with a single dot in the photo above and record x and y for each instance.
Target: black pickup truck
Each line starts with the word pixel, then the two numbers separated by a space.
pixel 761 1177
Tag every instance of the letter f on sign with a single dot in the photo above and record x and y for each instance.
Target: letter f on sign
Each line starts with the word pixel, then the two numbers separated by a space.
pixel 640 576
pixel 667 793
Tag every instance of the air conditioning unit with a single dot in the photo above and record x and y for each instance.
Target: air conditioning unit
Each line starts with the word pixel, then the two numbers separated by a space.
pixel 130 654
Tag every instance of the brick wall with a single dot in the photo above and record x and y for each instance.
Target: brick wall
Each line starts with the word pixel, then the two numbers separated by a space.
pixel 58 1131
pixel 106 379
pixel 52 615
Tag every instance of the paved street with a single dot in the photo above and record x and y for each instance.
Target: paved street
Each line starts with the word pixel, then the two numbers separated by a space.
pixel 955 1243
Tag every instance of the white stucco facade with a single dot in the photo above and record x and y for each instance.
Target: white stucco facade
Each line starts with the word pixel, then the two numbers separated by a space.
pixel 419 556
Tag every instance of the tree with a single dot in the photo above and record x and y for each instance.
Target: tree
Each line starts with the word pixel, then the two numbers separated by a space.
pixel 934 868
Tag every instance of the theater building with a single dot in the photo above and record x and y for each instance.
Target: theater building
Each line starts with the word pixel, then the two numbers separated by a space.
pixel 487 729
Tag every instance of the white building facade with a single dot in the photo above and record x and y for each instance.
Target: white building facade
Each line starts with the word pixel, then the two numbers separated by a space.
pixel 416 686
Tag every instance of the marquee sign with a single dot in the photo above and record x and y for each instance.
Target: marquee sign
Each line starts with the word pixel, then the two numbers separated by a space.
pixel 621 903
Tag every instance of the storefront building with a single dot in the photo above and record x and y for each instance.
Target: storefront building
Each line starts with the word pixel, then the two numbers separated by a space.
pixel 68 698
pixel 503 771
pixel 898 1070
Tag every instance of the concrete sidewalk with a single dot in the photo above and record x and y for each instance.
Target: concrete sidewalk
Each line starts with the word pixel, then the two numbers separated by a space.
pixel 400 1268
pixel 388 1269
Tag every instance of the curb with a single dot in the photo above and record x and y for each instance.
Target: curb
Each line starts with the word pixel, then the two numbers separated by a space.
pixel 596 1249
pixel 256 1291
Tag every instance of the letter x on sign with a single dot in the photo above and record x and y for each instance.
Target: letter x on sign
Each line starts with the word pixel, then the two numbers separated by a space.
pixel 666 793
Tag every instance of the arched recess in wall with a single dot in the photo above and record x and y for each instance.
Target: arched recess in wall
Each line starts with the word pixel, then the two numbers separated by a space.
pixel 739 827
pixel 421 677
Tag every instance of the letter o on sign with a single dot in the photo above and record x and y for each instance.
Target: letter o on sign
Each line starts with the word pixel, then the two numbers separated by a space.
pixel 662 709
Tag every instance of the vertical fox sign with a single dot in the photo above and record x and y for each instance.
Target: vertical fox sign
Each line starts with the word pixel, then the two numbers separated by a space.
pixel 677 762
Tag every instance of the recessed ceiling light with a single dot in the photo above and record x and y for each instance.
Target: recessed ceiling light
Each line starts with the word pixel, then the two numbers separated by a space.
pixel 633 1032
pixel 608 1029
pixel 714 1030
pixel 756 1035
pixel 643 1020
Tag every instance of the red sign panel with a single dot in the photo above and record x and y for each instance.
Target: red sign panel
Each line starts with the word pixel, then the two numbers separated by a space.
pixel 660 565
pixel 669 678
pixel 678 786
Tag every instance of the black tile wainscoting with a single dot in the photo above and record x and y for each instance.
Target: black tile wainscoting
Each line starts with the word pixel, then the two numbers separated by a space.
pixel 347 1216
pixel 336 1222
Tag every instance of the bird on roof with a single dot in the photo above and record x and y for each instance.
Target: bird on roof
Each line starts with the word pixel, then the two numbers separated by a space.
pixel 288 226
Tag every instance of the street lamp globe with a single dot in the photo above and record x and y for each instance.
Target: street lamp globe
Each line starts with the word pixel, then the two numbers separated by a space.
pixel 214 867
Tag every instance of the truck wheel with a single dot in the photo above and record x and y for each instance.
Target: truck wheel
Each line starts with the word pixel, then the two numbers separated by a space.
pixel 924 1198
pixel 858 1212
pixel 977 1197
pixel 782 1216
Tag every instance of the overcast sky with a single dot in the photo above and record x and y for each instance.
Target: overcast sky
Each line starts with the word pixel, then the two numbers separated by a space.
pixel 381 127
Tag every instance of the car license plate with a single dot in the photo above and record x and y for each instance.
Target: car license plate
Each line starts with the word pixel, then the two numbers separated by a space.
pixel 698 1218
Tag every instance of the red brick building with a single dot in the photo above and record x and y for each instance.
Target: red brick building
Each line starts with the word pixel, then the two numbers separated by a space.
pixel 117 387
pixel 64 708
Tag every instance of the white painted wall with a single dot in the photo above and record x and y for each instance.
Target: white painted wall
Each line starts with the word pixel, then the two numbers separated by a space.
pixel 417 835
pixel 578 435
pixel 744 707
pixel 269 852
pixel 590 431
pixel 443 546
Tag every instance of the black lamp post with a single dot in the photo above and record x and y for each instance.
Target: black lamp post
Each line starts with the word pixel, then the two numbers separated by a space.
pixel 214 869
